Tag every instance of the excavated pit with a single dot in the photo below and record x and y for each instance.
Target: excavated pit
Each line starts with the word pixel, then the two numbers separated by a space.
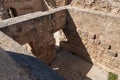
pixel 86 35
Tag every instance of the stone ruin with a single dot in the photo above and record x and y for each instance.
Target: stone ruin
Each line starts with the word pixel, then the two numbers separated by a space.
pixel 41 29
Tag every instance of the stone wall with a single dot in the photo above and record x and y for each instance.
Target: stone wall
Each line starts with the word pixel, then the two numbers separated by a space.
pixel 38 31
pixel 22 6
pixel 99 5
pixel 33 27
pixel 57 3
pixel 94 36
pixel 16 64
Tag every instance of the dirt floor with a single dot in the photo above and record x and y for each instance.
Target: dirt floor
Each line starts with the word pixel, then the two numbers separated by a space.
pixel 72 67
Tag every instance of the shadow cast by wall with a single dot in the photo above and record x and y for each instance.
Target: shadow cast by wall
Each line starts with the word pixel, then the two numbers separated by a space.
pixel 74 43
pixel 69 2
pixel 36 69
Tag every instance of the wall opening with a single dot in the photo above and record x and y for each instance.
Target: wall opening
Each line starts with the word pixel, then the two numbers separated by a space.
pixel 12 12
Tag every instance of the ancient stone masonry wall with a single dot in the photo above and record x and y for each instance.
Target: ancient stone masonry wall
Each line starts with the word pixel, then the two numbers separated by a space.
pixel 22 6
pixel 17 64
pixel 33 27
pixel 99 5
pixel 94 37
pixel 57 3
pixel 38 33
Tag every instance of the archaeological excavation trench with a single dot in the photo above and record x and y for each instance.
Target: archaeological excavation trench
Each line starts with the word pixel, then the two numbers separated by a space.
pixel 59 39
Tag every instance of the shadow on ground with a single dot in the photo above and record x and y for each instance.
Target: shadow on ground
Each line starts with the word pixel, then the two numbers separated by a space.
pixel 35 68
pixel 74 67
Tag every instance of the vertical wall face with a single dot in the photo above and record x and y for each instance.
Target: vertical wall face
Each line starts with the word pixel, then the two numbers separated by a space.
pixel 57 3
pixel 25 6
pixel 38 32
pixel 94 37
pixel 99 5
pixel 45 50
pixel 61 2
pixel 21 7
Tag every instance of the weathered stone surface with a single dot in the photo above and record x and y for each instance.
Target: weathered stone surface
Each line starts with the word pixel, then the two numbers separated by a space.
pixel 16 66
pixel 105 46
pixel 112 6
pixel 27 6
pixel 9 69
pixel 90 34
pixel 57 3
pixel 38 32
pixel 71 67
pixel 17 63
